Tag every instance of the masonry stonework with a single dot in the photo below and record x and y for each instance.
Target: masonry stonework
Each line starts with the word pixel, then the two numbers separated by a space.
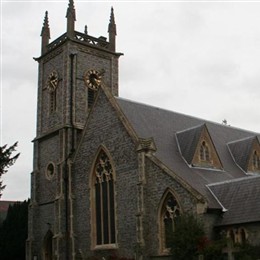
pixel 104 128
pixel 150 153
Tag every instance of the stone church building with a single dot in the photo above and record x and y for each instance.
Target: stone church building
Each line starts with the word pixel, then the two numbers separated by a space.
pixel 111 175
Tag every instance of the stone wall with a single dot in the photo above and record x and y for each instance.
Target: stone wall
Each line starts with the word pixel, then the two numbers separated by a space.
pixel 157 183
pixel 104 128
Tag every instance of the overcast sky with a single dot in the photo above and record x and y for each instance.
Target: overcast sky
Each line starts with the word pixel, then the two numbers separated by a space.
pixel 200 58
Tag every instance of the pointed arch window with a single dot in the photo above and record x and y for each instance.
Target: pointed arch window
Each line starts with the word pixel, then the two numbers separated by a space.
pixel 256 161
pixel 170 210
pixel 231 236
pixel 204 152
pixel 104 205
pixel 242 236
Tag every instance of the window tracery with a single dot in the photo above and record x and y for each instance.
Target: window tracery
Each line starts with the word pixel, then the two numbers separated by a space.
pixel 170 210
pixel 104 201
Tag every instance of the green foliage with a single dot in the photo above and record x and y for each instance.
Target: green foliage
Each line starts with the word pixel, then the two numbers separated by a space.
pixel 13 232
pixel 188 239
pixel 247 252
pixel 6 160
pixel 213 250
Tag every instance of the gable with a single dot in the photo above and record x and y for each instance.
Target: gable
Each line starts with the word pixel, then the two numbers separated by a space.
pixel 246 153
pixel 254 157
pixel 188 141
pixel 103 114
pixel 197 148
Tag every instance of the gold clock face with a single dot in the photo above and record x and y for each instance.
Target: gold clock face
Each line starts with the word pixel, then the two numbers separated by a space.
pixel 52 81
pixel 92 79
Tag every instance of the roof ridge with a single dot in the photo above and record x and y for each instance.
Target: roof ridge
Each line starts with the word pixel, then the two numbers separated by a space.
pixel 233 180
pixel 190 128
pixel 243 139
pixel 189 116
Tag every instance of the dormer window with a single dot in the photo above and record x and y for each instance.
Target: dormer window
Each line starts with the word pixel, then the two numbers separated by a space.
pixel 246 153
pixel 198 149
pixel 204 152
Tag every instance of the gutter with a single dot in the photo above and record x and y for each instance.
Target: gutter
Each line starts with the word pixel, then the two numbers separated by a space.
pixel 215 197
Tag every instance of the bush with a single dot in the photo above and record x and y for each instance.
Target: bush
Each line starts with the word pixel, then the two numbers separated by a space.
pixel 248 252
pixel 213 251
pixel 188 239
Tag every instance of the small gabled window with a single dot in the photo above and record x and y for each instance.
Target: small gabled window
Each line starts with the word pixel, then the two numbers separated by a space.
pixel 198 149
pixel 256 161
pixel 204 152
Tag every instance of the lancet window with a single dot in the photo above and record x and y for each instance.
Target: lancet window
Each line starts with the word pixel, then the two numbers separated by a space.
pixel 256 161
pixel 204 152
pixel 104 205
pixel 91 97
pixel 237 235
pixel 53 98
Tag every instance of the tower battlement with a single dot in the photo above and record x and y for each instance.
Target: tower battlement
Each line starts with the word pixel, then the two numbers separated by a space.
pixel 72 34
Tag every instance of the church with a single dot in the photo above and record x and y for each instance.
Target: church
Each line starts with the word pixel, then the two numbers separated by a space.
pixel 110 175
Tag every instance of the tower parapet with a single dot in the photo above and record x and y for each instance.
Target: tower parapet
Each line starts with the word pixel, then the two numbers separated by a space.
pixel 83 38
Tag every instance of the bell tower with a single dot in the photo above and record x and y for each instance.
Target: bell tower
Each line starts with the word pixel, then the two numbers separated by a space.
pixel 71 68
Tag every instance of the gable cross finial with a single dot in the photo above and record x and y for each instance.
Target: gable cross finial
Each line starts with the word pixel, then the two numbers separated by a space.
pixel 112 31
pixel 45 34
pixel 71 18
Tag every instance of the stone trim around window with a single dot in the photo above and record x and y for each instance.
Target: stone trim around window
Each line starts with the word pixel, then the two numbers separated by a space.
pixel 169 210
pixel 50 171
pixel 206 155
pixel 103 209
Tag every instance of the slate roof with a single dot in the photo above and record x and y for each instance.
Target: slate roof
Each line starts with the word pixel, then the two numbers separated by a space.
pixel 162 125
pixel 188 140
pixel 241 151
pixel 241 199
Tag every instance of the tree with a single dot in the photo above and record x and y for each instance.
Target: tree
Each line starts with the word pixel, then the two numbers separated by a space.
pixel 188 241
pixel 13 232
pixel 6 160
pixel 188 238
